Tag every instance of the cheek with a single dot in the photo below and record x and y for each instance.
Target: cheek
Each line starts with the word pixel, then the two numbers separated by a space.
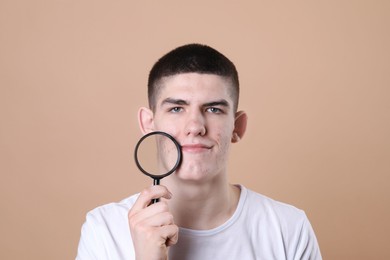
pixel 224 133
pixel 224 140
pixel 165 126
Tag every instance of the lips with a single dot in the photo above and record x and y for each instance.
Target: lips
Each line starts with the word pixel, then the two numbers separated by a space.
pixel 195 148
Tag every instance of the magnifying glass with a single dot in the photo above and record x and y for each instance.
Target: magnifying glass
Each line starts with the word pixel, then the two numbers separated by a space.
pixel 157 155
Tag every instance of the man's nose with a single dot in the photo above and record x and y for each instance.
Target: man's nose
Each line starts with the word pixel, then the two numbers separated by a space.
pixel 196 125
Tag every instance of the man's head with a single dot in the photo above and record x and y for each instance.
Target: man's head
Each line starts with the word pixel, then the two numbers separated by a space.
pixel 193 96
pixel 195 58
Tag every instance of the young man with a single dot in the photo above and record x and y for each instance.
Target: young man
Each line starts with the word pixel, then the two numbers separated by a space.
pixel 193 95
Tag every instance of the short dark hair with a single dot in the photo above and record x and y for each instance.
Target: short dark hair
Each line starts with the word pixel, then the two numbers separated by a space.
pixel 189 58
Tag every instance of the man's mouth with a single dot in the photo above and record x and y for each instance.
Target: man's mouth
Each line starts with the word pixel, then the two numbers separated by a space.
pixel 195 148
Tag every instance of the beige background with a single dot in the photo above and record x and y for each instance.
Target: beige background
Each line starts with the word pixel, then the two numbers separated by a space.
pixel 315 82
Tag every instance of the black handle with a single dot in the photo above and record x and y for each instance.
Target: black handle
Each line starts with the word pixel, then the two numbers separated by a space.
pixel 156 181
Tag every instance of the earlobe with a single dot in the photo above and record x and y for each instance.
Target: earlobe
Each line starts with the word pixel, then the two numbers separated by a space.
pixel 240 123
pixel 235 138
pixel 145 120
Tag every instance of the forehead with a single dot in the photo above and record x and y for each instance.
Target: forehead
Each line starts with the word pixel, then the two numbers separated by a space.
pixel 195 86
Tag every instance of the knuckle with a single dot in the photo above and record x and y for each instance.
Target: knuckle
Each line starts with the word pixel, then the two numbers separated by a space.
pixel 170 217
pixel 146 193
pixel 163 205
pixel 176 228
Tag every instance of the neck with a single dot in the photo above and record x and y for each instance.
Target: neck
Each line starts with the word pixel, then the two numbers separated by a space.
pixel 202 206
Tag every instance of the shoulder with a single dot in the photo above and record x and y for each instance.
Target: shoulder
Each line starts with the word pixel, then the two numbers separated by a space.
pixel 111 211
pixel 105 230
pixel 267 205
pixel 290 222
pixel 277 216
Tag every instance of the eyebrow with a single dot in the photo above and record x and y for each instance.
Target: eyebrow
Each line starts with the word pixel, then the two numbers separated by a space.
pixel 174 101
pixel 221 102
pixel 182 102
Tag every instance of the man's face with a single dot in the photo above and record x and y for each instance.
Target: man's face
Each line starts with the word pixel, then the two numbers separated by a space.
pixel 197 109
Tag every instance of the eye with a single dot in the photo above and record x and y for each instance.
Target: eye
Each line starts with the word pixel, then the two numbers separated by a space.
pixel 176 109
pixel 214 110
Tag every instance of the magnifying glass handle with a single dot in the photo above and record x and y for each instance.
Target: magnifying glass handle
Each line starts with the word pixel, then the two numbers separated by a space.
pixel 156 182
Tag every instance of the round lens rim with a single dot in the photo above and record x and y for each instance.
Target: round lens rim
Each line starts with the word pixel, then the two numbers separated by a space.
pixel 178 161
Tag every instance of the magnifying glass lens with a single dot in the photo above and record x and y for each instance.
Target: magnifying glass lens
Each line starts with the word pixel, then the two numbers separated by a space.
pixel 157 155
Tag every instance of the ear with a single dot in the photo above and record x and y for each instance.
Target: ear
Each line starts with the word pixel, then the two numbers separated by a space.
pixel 145 120
pixel 239 126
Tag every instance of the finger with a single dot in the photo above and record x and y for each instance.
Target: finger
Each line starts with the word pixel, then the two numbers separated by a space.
pixel 153 192
pixel 150 215
pixel 158 220
pixel 171 234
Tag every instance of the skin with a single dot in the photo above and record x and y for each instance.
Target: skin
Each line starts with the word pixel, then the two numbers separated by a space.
pixel 197 109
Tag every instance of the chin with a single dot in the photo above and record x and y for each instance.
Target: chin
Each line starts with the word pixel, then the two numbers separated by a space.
pixel 194 174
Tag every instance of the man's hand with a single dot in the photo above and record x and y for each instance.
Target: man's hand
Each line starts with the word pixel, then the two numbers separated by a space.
pixel 152 228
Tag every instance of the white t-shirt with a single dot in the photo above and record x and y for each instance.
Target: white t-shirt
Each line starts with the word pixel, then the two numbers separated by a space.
pixel 260 228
